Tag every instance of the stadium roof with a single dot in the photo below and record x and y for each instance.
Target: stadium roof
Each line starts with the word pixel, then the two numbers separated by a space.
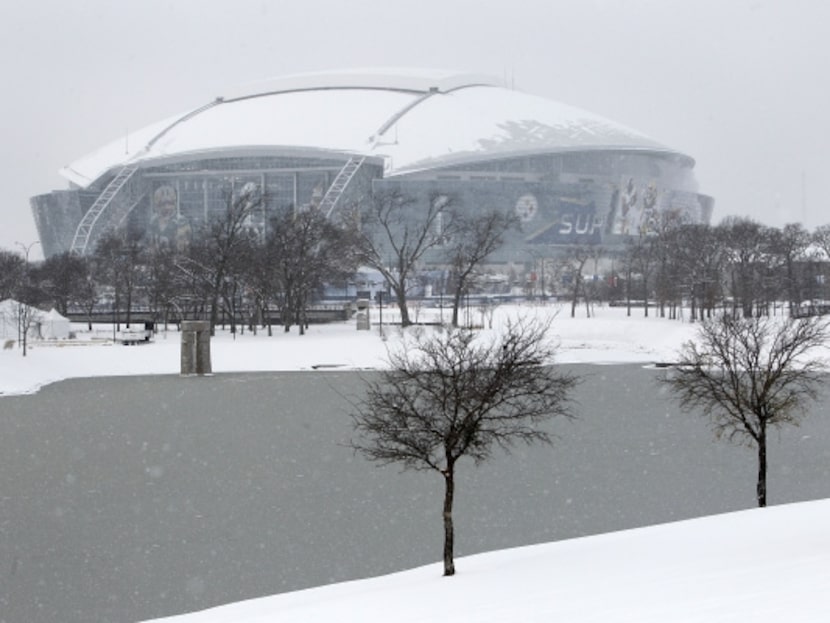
pixel 409 120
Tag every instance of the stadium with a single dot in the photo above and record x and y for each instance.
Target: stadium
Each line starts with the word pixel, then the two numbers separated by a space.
pixel 332 140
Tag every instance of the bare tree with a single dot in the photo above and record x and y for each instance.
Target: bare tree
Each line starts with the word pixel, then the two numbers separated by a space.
pixel 748 375
pixel 12 270
pixel 162 284
pixel 88 296
pixel 450 395
pixel 789 249
pixel 24 316
pixel 746 245
pixel 669 270
pixel 397 232
pixel 476 238
pixel 21 311
pixel 821 237
pixel 641 258
pixel 820 256
pixel 698 254
pixel 219 250
pixel 307 250
pixel 572 266
pixel 61 277
pixel 119 263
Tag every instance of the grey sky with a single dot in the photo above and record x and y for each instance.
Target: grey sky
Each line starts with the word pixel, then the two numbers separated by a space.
pixel 743 86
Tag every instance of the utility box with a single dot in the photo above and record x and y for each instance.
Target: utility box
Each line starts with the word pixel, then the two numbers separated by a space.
pixel 196 347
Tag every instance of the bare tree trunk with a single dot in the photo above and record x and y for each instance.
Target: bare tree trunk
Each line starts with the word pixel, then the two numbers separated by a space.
pixel 574 297
pixel 456 304
pixel 214 309
pixel 449 536
pixel 762 468
pixel 117 310
pixel 400 297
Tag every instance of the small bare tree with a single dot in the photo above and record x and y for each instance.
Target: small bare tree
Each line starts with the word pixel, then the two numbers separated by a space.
pixel 25 317
pixel 449 394
pixel 748 375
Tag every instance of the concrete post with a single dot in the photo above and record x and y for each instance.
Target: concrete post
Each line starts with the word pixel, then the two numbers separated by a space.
pixel 195 347
pixel 364 323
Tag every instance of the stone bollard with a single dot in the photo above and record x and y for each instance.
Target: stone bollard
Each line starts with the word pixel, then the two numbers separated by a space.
pixel 196 347
pixel 363 321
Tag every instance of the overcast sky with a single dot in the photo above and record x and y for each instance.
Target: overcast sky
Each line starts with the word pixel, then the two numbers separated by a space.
pixel 743 86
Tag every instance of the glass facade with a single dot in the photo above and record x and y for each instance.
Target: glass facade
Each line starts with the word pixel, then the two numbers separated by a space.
pixel 595 196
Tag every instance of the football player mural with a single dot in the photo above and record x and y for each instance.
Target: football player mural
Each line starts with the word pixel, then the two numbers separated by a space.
pixel 167 228
pixel 636 212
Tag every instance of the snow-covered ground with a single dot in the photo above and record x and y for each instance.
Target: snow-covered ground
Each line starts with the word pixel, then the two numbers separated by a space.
pixel 608 337
pixel 761 565
pixel 765 566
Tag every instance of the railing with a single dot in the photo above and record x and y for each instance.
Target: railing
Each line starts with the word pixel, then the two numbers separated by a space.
pixel 339 185
pixel 83 233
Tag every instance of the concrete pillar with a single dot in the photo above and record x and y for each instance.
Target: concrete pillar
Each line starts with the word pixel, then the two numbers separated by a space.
pixel 196 347
pixel 363 321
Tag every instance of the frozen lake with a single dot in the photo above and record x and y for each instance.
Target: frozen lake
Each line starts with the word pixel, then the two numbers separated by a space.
pixel 128 498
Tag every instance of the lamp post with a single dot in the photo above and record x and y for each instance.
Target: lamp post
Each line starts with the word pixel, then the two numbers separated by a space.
pixel 26 248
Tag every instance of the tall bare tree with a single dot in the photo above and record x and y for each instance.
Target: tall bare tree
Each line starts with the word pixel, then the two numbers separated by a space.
pixel 476 238
pixel 449 395
pixel 119 263
pixel 789 249
pixel 397 231
pixel 698 253
pixel 220 248
pixel 746 248
pixel 640 258
pixel 571 265
pixel 748 375
pixel 163 283
pixel 308 249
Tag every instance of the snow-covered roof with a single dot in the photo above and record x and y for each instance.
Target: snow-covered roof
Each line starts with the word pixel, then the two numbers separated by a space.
pixel 408 119
pixel 53 315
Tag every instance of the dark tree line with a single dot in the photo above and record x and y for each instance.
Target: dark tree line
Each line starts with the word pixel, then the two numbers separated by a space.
pixel 235 273
pixel 230 270
pixel 739 265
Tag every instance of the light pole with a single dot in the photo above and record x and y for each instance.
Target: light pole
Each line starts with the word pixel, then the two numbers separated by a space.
pixel 26 248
